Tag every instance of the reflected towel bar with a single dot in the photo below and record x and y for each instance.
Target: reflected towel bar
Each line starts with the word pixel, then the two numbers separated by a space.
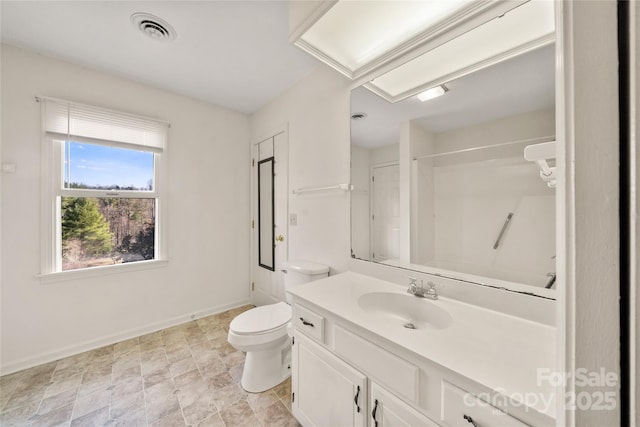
pixel 504 228
pixel 343 187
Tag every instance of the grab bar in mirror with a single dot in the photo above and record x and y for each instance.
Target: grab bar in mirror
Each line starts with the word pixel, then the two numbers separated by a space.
pixel 343 187
pixel 504 228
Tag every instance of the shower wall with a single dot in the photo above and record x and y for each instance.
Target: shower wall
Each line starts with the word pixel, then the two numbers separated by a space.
pixel 461 201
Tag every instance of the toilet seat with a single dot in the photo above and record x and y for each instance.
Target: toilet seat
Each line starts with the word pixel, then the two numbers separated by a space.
pixel 262 320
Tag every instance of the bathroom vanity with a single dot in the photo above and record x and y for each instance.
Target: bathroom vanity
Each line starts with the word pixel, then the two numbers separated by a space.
pixel 365 352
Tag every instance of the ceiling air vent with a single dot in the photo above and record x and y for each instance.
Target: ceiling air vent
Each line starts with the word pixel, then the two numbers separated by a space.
pixel 358 116
pixel 153 27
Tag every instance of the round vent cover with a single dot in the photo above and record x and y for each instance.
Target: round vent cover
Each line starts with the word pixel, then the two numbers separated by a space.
pixel 153 27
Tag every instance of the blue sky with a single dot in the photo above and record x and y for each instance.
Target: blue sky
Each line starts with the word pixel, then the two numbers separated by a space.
pixel 95 165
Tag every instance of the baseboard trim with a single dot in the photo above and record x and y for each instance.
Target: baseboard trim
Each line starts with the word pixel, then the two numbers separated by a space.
pixel 71 350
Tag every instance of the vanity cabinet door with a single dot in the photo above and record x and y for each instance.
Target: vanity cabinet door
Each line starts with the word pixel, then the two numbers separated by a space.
pixel 387 410
pixel 326 392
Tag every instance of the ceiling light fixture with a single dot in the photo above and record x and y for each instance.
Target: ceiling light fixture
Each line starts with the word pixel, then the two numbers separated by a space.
pixel 434 92
pixel 523 29
pixel 153 27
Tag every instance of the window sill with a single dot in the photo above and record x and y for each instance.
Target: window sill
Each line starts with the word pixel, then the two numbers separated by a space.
pixel 84 273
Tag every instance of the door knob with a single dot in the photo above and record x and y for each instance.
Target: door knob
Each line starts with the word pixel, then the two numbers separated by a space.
pixel 280 238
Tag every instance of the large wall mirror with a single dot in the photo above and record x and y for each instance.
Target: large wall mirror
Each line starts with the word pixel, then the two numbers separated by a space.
pixel 444 186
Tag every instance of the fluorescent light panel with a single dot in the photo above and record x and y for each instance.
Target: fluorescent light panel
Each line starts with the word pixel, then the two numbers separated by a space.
pixel 434 92
pixel 519 27
pixel 354 33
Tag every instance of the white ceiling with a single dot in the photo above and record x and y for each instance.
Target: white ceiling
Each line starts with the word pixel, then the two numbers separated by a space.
pixel 234 54
pixel 522 84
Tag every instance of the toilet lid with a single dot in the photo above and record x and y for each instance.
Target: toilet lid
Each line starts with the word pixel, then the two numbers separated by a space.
pixel 262 319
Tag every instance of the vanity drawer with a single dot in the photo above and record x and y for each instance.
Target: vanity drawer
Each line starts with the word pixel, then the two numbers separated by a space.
pixel 462 409
pixel 397 375
pixel 309 322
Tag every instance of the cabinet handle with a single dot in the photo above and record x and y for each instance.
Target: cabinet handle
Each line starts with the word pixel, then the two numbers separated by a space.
pixel 373 413
pixel 470 420
pixel 305 323
pixel 355 399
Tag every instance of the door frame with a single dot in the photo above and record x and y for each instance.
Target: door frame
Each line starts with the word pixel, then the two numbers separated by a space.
pixel 284 131
pixel 371 202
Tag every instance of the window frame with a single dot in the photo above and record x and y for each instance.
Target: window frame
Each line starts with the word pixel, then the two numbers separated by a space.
pixel 52 176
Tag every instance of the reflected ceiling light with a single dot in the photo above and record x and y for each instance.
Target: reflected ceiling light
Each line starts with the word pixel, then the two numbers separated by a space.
pixel 358 37
pixel 525 28
pixel 434 92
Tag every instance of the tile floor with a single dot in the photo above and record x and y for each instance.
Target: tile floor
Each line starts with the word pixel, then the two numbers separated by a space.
pixel 187 375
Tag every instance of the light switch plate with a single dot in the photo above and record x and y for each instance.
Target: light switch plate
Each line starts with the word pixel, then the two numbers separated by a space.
pixel 8 168
pixel 293 219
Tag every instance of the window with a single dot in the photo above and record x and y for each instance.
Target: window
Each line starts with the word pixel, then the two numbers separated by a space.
pixel 103 187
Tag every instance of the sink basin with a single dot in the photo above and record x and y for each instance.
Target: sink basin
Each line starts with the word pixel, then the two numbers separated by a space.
pixel 406 310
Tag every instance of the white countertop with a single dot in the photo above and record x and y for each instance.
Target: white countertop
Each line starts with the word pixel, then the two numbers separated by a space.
pixel 498 351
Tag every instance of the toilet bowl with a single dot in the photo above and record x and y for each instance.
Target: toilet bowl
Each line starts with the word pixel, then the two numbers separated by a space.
pixel 262 333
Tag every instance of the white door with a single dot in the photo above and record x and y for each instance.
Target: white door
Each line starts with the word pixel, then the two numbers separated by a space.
pixel 269 205
pixel 326 392
pixel 385 212
pixel 389 411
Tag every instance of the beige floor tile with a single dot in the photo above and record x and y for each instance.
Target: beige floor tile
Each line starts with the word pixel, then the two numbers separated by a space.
pixel 220 380
pixel 172 419
pixel 56 401
pixel 156 377
pixel 260 401
pixel 71 383
pixel 127 387
pixel 283 390
pixel 185 379
pixel 239 414
pixel 122 406
pixel 56 417
pixel 18 416
pixel 212 421
pixel 91 402
pixel 277 415
pixel 198 411
pixel 227 396
pixel 161 407
pixel 125 347
pixel 131 419
pixel 182 367
pixel 94 418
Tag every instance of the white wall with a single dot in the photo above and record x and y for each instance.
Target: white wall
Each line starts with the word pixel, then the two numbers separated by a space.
pixel 386 154
pixel 422 231
pixel 360 201
pixel 523 126
pixel 208 218
pixel 316 111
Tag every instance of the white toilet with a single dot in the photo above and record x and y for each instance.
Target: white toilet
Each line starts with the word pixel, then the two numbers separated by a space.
pixel 262 332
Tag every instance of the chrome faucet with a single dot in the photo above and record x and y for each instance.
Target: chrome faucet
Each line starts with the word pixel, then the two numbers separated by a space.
pixel 419 290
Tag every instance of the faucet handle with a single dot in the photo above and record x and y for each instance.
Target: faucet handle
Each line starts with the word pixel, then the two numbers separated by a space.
pixel 412 285
pixel 431 292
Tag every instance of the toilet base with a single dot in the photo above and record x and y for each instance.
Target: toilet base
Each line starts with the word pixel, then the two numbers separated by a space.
pixel 266 369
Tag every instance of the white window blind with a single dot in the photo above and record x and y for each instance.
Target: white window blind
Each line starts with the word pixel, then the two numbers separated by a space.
pixel 77 122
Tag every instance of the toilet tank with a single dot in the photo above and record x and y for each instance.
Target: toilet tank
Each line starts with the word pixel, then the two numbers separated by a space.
pixel 300 271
